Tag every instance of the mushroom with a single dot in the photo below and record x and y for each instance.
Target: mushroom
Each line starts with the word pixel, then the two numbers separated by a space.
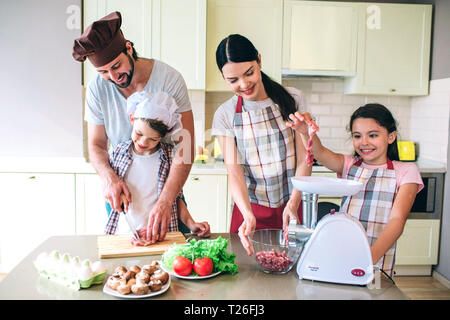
pixel 120 270
pixel 143 277
pixel 135 269
pixel 113 282
pixel 150 269
pixel 160 275
pixel 140 289
pixel 131 281
pixel 124 289
pixel 155 285
pixel 129 274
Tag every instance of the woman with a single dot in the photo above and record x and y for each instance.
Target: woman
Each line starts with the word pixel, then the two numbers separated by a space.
pixel 261 154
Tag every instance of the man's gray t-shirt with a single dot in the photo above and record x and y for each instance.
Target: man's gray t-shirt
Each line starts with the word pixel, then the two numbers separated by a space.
pixel 224 116
pixel 105 105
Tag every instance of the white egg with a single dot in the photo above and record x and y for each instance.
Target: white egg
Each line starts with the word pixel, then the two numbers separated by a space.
pixel 66 257
pixel 85 273
pixel 75 269
pixel 75 260
pixel 64 264
pixel 86 262
pixel 60 267
pixel 54 254
pixel 98 267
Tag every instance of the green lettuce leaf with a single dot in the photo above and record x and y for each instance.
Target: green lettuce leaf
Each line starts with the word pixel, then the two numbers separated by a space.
pixel 214 249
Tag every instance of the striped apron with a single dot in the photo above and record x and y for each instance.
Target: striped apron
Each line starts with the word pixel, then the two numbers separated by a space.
pixel 372 205
pixel 266 150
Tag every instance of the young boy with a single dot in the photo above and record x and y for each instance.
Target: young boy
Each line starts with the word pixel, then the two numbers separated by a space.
pixel 144 163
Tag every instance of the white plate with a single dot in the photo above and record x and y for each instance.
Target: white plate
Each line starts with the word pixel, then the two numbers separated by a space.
pixel 327 186
pixel 114 293
pixel 172 273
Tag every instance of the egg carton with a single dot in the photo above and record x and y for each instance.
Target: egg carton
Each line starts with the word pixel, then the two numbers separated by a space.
pixel 70 271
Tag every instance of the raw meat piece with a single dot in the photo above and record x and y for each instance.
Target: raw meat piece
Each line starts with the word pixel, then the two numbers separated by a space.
pixel 142 235
pixel 312 129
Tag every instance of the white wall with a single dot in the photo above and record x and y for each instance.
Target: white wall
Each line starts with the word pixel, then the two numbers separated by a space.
pixel 430 121
pixel 40 86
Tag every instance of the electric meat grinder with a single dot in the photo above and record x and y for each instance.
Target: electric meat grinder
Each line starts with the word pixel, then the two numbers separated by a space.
pixel 336 248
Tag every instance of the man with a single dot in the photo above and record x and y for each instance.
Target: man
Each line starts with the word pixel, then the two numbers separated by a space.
pixel 120 74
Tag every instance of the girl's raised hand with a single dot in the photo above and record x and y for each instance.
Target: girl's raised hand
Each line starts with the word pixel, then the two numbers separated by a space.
pixel 299 122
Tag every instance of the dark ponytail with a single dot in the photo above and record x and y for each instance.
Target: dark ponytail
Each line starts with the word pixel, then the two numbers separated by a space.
pixel 237 48
pixel 384 118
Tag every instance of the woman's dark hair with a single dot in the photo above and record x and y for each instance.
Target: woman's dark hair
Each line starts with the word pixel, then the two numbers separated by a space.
pixel 157 125
pixel 383 117
pixel 237 48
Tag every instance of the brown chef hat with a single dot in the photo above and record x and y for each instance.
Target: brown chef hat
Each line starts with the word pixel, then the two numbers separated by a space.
pixel 101 42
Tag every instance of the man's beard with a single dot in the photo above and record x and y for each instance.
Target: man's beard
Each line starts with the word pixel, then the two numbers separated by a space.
pixel 128 75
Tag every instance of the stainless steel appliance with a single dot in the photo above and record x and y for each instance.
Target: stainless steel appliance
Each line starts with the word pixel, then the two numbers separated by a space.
pixel 428 202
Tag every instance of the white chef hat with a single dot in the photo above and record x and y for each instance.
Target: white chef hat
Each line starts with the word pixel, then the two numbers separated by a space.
pixel 159 106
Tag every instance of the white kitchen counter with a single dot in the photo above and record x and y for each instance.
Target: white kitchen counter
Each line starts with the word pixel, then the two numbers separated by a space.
pixel 430 166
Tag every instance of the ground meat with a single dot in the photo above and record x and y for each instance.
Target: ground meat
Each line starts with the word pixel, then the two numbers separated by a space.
pixel 273 260
pixel 312 129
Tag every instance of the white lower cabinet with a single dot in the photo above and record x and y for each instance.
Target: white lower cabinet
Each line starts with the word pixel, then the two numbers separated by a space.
pixel 207 199
pixel 417 247
pixel 419 243
pixel 35 206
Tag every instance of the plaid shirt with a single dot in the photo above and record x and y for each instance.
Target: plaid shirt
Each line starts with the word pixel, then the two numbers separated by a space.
pixel 121 160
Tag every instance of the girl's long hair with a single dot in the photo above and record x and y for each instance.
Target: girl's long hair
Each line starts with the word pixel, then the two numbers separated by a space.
pixel 237 48
pixel 384 118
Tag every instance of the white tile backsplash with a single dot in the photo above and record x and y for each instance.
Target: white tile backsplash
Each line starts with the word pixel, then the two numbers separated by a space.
pixel 430 121
pixel 424 120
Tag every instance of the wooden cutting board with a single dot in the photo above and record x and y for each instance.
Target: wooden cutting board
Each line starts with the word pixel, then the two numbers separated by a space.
pixel 117 246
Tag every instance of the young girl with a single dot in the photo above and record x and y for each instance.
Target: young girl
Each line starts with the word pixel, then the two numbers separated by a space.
pixel 390 186
pixel 144 163
pixel 261 154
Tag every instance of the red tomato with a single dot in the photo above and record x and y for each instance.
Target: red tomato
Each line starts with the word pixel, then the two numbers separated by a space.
pixel 203 266
pixel 182 266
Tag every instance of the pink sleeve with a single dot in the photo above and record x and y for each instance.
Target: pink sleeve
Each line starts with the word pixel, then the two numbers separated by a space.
pixel 407 172
pixel 348 162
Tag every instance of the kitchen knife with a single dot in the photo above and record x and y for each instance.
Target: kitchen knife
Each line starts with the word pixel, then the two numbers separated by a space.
pixel 131 225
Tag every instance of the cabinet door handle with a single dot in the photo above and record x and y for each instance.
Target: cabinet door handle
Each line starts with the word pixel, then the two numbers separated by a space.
pixel 392 90
pixel 32 178
pixel 195 178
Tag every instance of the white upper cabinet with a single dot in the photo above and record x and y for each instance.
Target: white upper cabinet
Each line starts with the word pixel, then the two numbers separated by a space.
pixel 393 50
pixel 179 38
pixel 258 20
pixel 319 38
pixel 169 30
